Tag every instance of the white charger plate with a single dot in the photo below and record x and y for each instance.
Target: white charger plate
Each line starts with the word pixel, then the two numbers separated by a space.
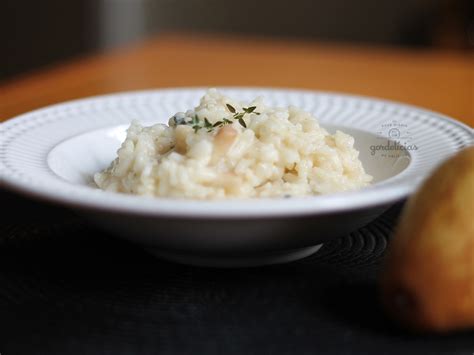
pixel 52 154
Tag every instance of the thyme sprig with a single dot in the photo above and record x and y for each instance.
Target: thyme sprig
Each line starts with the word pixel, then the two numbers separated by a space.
pixel 197 123
pixel 239 116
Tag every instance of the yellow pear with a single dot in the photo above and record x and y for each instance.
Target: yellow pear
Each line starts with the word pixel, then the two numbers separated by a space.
pixel 427 281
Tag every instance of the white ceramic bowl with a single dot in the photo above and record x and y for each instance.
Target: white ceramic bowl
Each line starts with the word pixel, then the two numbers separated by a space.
pixel 52 154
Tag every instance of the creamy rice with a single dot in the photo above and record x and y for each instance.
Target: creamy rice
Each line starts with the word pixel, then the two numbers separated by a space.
pixel 280 152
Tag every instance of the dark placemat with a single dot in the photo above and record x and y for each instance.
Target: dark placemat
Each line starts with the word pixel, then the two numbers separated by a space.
pixel 68 288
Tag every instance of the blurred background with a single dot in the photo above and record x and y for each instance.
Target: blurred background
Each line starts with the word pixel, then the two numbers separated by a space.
pixel 37 34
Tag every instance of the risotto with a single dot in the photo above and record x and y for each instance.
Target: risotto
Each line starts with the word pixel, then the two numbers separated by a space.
pixel 227 149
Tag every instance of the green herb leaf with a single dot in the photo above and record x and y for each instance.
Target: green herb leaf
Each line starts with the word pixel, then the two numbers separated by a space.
pixel 226 120
pixel 249 109
pixel 242 122
pixel 207 124
pixel 230 108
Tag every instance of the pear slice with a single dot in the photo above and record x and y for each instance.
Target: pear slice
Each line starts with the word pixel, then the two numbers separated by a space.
pixel 427 280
